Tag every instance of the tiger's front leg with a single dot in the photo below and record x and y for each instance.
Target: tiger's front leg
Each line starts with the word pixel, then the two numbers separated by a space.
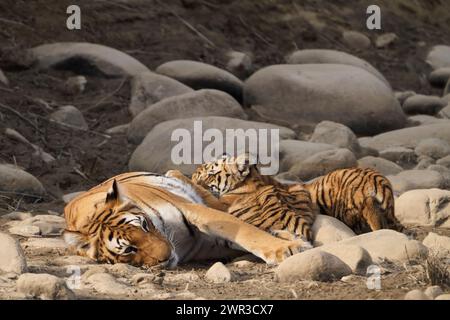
pixel 245 236
pixel 210 200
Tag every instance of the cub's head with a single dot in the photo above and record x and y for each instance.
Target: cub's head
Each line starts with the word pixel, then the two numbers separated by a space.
pixel 120 232
pixel 224 174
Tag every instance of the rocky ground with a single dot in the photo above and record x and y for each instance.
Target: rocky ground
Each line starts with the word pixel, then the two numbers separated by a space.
pixel 72 115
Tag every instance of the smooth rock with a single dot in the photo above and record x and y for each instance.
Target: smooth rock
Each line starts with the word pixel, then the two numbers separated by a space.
pixel 201 103
pixel 439 77
pixel 313 265
pixel 87 58
pixel 25 230
pixel 385 40
pixel 416 294
pixel 218 273
pixel 337 135
pixel 75 85
pixel 199 75
pixel 324 162
pixel 424 207
pixel 400 155
pixel 148 88
pixel 44 225
pixel 144 158
pixel 71 116
pixel 423 162
pixel 433 147
pixel 423 120
pixel 445 112
pixel 383 166
pixel 443 297
pixel 409 137
pixel 422 104
pixel 438 244
pixel 433 291
pixel 335 92
pixel 439 57
pixel 417 179
pixel 18 181
pixel 387 244
pixel 326 229
pixel 356 40
pixel 12 258
pixel 326 56
pixel 294 151
pixel 445 161
pixel 44 286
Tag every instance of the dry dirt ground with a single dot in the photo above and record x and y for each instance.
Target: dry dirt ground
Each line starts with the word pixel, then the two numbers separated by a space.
pixel 152 32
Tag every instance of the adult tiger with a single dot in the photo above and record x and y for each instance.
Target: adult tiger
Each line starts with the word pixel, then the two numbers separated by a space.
pixel 362 198
pixel 145 218
pixel 285 211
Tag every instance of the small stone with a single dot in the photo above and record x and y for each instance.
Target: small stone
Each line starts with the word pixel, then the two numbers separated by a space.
pixel 403 95
pixel 433 291
pixel 44 286
pixel 356 40
pixel 439 244
pixel 443 297
pixel 12 258
pixel 75 85
pixel 17 181
pixel 123 269
pixel 239 64
pixel 336 134
pixel 118 130
pixel 445 161
pixel 416 294
pixel 106 284
pixel 25 230
pixel 142 278
pixel 433 147
pixel 383 166
pixel 218 273
pixel 399 155
pixel 71 116
pixel 385 39
pixel 439 77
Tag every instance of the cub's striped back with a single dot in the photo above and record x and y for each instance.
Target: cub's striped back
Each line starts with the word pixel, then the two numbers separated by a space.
pixel 361 198
pixel 285 211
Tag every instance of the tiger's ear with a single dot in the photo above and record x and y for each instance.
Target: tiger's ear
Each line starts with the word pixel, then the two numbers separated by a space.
pixel 115 195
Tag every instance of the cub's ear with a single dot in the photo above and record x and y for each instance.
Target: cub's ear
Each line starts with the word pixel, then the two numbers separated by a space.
pixel 115 195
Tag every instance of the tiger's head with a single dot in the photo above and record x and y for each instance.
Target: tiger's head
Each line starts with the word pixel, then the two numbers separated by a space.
pixel 121 232
pixel 224 174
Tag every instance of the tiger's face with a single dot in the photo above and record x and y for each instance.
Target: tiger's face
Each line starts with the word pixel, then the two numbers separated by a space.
pixel 121 233
pixel 224 174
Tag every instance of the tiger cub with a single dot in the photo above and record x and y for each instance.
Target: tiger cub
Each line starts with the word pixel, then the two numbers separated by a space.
pixel 361 198
pixel 284 211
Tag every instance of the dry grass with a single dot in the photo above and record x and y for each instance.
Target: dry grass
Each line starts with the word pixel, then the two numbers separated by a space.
pixel 437 270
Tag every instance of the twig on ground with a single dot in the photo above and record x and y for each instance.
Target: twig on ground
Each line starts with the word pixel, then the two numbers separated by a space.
pixel 4 106
pixel 107 96
pixel 45 156
pixel 18 23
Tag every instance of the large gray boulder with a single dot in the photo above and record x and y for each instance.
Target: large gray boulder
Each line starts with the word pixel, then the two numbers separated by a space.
pixel 439 57
pixel 326 56
pixel 87 58
pixel 417 179
pixel 201 103
pixel 383 166
pixel 17 181
pixel 409 137
pixel 199 75
pixel 424 208
pixel 295 151
pixel 148 88
pixel 324 162
pixel 161 150
pixel 310 93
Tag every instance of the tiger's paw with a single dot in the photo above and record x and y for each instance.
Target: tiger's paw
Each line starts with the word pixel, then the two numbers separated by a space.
pixel 277 254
